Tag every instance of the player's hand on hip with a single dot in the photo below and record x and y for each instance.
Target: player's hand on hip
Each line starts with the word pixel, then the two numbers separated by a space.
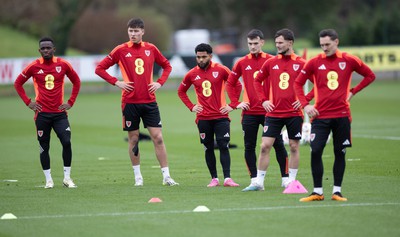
pixel 311 111
pixel 243 106
pixel 197 109
pixel 225 109
pixel 268 106
pixel 350 96
pixel 296 105
pixel 64 107
pixel 127 86
pixel 153 87
pixel 35 106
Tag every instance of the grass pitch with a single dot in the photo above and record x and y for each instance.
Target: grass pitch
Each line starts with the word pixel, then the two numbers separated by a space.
pixel 107 204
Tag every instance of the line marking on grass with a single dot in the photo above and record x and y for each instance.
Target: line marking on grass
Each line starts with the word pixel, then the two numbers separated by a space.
pixel 116 214
pixel 378 137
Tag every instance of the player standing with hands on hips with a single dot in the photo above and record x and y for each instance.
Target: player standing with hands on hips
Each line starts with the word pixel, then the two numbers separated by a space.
pixel 48 73
pixel 136 60
pixel 281 105
pixel 208 79
pixel 253 114
pixel 330 72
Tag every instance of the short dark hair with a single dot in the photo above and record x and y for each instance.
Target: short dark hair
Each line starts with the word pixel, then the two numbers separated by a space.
pixel 254 33
pixel 329 32
pixel 203 48
pixel 136 23
pixel 286 34
pixel 46 38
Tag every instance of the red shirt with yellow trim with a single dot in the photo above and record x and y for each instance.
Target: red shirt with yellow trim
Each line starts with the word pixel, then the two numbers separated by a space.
pixel 246 67
pixel 279 73
pixel 48 80
pixel 136 62
pixel 331 77
pixel 209 86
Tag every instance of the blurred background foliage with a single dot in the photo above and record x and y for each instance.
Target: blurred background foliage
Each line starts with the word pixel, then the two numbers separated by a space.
pixel 96 26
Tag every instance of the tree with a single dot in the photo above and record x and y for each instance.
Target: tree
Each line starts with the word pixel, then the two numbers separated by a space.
pixel 60 28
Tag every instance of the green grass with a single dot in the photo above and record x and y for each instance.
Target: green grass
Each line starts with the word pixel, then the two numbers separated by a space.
pixel 16 44
pixel 107 204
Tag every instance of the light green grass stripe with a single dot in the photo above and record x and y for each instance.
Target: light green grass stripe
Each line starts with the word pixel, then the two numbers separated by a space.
pixel 214 210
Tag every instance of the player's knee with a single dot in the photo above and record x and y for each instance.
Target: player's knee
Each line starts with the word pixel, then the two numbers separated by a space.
pixel 208 145
pixel 249 146
pixel 294 146
pixel 44 145
pixel 158 139
pixel 66 143
pixel 223 143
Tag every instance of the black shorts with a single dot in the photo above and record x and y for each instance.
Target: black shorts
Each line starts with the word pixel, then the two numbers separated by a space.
pixel 47 121
pixel 132 113
pixel 273 127
pixel 219 127
pixel 341 132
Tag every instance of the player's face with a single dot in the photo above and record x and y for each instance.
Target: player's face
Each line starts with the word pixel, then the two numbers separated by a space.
pixel 135 34
pixel 328 45
pixel 203 59
pixel 255 45
pixel 46 49
pixel 283 46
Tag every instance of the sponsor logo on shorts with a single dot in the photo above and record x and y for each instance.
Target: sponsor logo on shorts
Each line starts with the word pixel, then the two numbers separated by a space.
pixel 226 135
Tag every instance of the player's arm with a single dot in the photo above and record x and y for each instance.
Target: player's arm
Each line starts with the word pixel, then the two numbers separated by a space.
pixel 362 69
pixel 101 70
pixel 19 87
pixel 182 93
pixel 164 64
pixel 76 85
pixel 233 85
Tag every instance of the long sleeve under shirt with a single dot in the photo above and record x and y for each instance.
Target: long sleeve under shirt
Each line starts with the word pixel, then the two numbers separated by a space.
pixel 136 62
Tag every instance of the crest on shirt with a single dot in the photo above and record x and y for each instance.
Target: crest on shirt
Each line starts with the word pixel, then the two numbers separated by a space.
pixel 40 133
pixel 202 136
pixel 215 74
pixel 128 123
pixel 147 52
pixel 58 69
pixel 296 67
pixel 342 65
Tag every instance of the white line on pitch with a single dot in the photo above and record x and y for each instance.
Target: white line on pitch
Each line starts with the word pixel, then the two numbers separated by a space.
pixel 212 210
pixel 378 137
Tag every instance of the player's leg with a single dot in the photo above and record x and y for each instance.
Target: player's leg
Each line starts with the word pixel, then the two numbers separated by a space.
pixel 294 126
pixel 341 133
pixel 282 158
pixel 272 128
pixel 43 131
pixel 222 135
pixel 320 129
pixel 63 130
pixel 131 114
pixel 250 128
pixel 152 121
pixel 206 133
